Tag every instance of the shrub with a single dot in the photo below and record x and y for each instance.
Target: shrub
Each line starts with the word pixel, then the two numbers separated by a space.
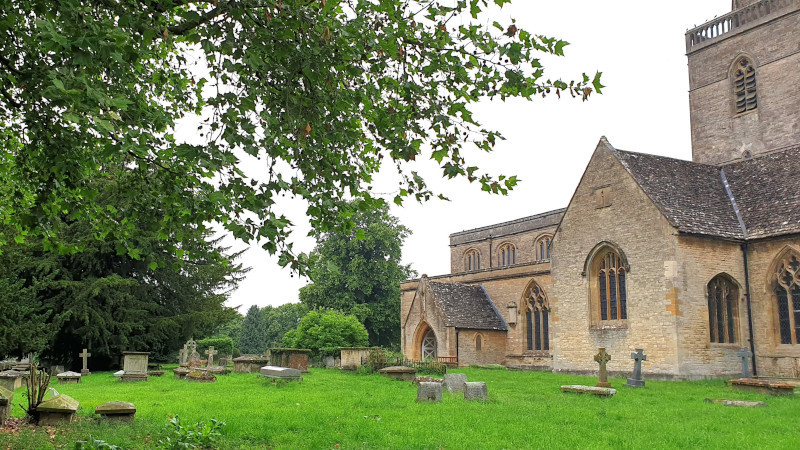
pixel 201 435
pixel 224 345
pixel 325 331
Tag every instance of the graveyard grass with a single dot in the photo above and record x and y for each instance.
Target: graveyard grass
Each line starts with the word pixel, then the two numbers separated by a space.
pixel 333 409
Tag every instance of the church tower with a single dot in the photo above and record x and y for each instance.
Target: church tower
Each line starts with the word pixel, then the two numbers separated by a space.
pixel 744 81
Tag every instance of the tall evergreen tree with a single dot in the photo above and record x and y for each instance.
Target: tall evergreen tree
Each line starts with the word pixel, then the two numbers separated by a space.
pixel 253 339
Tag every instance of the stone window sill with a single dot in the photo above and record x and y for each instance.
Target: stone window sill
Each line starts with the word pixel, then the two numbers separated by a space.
pixel 609 326
pixel 733 346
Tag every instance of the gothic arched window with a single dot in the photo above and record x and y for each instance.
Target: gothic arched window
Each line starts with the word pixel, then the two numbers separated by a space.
pixel 744 85
pixel 723 310
pixel 610 298
pixel 507 255
pixel 543 248
pixel 537 319
pixel 472 260
pixel 787 294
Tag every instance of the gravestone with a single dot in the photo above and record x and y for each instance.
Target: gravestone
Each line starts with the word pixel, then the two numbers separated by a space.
pixel 401 373
pixel 594 390
pixel 6 402
pixel 296 358
pixel 286 373
pixel 194 358
pixel 745 354
pixel 135 366
pixel 181 372
pixel 11 379
pixel 201 376
pixel 429 392
pixel 60 408
pixel 475 390
pixel 602 358
pixel 183 356
pixel 119 411
pixel 85 355
pixel 454 382
pixel 636 379
pixel 210 352
pixel 763 386
pixel 249 363
pixel 69 378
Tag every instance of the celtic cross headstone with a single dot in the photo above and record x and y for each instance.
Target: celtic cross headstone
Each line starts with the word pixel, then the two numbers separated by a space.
pixel 602 358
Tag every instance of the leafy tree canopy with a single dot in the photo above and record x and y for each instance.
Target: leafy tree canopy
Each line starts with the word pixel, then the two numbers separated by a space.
pixel 253 336
pixel 359 273
pixel 313 95
pixel 325 331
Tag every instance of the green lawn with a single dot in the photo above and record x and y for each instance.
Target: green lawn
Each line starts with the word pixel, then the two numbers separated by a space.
pixel 525 410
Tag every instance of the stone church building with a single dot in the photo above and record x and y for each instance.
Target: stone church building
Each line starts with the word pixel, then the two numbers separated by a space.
pixel 689 260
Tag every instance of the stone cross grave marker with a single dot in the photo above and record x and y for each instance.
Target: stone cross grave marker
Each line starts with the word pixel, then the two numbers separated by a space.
pixel 602 358
pixel 183 355
pixel 85 355
pixel 191 345
pixel 636 379
pixel 210 352
pixel 745 354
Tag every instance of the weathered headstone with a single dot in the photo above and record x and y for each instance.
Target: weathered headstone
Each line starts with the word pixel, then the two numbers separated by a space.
pixel 6 402
pixel 85 355
pixel 135 366
pixel 745 354
pixel 402 373
pixel 210 352
pixel 429 392
pixel 183 356
pixel 454 382
pixel 602 358
pixel 249 363
pixel 60 408
pixel 636 379
pixel 69 378
pixel 11 379
pixel 296 358
pixel 475 390
pixel 286 373
pixel 119 411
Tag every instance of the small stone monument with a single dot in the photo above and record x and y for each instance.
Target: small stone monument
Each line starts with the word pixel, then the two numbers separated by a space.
pixel 183 356
pixel 286 373
pixel 201 376
pixel 135 366
pixel 429 392
pixel 475 390
pixel 593 390
pixel 11 379
pixel 636 379
pixel 454 382
pixel 119 411
pixel 69 378
pixel 210 352
pixel 745 354
pixel 181 372
pixel 60 408
pixel 401 373
pixel 6 402
pixel 602 358
pixel 85 355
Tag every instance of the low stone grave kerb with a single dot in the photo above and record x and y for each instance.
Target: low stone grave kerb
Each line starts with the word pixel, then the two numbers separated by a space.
pixel 427 379
pixel 201 376
pixel 119 411
pixel 763 386
pixel 429 392
pixel 6 402
pixel 737 403
pixel 60 408
pixel 593 390
pixel 282 373
pixel 455 382
pixel 475 390
pixel 401 373
pixel 69 378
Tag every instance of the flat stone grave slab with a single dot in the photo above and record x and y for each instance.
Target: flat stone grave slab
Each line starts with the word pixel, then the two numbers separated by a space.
pixel 738 403
pixel 6 402
pixel 181 372
pixel 429 392
pixel 60 408
pixel 455 382
pixel 401 373
pixel 218 370
pixel 475 390
pixel 763 386
pixel 594 390
pixel 285 373
pixel 120 411
pixel 201 376
pixel 69 377
pixel 427 379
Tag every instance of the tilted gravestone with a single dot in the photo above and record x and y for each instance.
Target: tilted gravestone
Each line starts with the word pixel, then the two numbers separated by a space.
pixel 454 382
pixel 636 379
pixel 475 390
pixel 429 392
pixel 602 358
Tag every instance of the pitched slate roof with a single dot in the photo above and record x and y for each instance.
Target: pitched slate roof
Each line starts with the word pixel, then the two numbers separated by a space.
pixel 693 196
pixel 466 306
pixel 767 192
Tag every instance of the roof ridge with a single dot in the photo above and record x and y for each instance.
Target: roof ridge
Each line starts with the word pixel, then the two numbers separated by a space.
pixel 509 222
pixel 651 155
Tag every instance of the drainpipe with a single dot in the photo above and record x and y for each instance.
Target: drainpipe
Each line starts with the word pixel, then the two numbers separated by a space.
pixel 457 363
pixel 749 311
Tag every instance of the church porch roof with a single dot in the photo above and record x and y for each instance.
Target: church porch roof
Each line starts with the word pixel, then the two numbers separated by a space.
pixel 466 306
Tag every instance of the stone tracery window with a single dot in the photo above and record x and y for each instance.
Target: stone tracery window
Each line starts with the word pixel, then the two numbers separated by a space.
pixel 610 298
pixel 787 295
pixel 744 85
pixel 508 255
pixel 472 260
pixel 543 248
pixel 537 319
pixel 723 311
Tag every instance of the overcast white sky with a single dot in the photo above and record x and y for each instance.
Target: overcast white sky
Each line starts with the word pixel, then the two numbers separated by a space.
pixel 638 45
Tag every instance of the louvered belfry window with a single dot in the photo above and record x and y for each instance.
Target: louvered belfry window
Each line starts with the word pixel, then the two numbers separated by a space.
pixel 744 86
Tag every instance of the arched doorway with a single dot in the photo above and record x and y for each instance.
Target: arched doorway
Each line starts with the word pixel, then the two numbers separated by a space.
pixel 428 346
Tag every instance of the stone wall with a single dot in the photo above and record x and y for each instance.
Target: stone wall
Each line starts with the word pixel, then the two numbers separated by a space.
pixel 718 133
pixel 493 344
pixel 638 228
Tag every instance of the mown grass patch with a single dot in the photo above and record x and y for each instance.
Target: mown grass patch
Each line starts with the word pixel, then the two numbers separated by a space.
pixel 526 409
